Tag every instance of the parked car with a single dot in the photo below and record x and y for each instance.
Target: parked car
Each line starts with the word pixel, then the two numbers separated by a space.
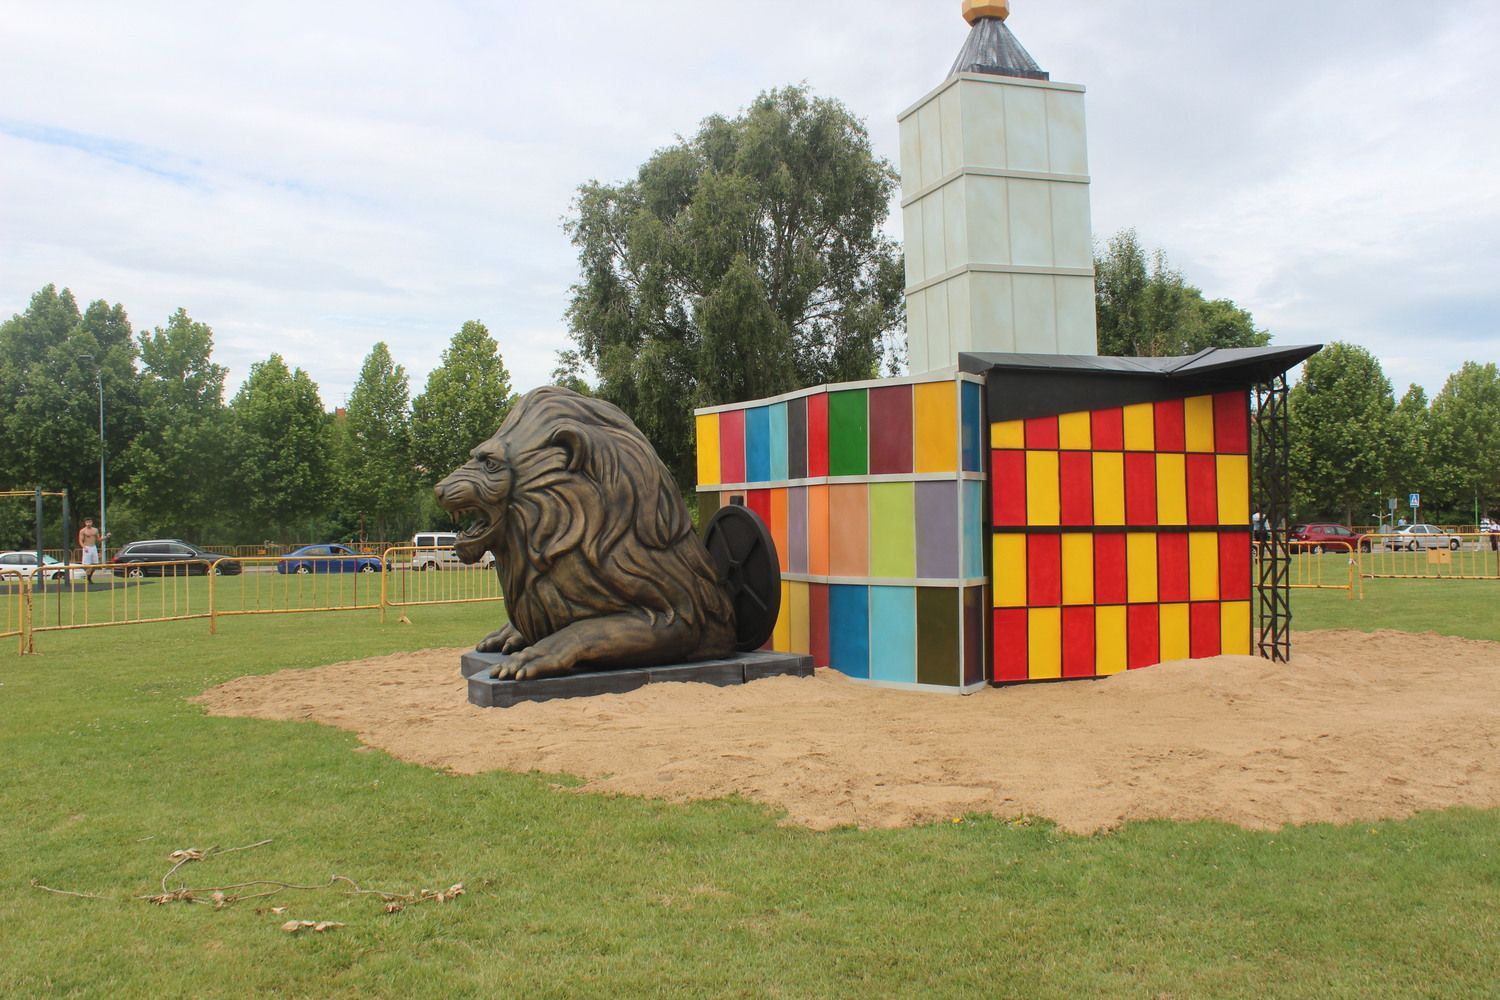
pixel 135 559
pixel 435 551
pixel 24 564
pixel 1423 536
pixel 1324 537
pixel 328 559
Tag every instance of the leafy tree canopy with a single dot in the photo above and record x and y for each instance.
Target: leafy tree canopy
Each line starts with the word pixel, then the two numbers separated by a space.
pixel 1341 412
pixel 280 447
pixel 1465 438
pixel 376 476
pixel 466 399
pixel 742 262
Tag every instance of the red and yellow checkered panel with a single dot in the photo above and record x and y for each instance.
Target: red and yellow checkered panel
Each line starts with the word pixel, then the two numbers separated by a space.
pixel 1120 537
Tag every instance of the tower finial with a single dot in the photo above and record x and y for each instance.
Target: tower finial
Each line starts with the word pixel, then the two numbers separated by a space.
pixel 976 9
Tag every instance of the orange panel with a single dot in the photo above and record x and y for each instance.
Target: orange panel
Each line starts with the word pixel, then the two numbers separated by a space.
pixel 849 530
pixel 817 530
pixel 779 533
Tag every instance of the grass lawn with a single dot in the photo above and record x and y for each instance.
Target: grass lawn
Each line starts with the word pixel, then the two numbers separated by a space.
pixel 108 769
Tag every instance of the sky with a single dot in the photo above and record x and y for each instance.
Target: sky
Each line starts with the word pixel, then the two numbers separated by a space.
pixel 312 178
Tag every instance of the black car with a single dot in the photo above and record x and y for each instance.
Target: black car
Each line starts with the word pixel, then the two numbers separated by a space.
pixel 136 558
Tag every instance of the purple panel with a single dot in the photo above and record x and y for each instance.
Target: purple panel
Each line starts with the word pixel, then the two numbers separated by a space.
pixel 796 529
pixel 937 530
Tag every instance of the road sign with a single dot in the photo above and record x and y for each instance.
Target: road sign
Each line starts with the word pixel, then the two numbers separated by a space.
pixel 1392 504
pixel 1414 500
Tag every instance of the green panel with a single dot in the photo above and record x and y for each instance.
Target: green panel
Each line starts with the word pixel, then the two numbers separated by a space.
pixel 893 530
pixel 938 640
pixel 849 433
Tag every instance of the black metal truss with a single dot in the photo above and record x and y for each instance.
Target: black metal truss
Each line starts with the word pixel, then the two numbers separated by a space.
pixel 1272 501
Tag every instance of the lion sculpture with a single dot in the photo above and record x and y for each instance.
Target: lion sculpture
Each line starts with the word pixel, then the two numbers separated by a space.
pixel 593 544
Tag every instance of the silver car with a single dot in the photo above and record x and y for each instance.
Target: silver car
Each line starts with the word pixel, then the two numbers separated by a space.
pixel 1423 536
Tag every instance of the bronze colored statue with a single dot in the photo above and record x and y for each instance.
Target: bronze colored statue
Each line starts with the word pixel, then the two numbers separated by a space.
pixel 593 543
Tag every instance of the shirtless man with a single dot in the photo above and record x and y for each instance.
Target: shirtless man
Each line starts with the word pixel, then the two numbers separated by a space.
pixel 88 540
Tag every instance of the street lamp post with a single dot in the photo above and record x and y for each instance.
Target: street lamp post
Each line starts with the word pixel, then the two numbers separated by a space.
pixel 103 523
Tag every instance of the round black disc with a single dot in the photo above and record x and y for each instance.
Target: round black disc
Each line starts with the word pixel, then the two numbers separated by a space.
pixel 749 572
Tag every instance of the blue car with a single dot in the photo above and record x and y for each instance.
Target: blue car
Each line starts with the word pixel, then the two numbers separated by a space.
pixel 328 559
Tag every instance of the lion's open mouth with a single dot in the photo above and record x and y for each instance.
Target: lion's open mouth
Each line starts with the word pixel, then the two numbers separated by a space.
pixel 475 533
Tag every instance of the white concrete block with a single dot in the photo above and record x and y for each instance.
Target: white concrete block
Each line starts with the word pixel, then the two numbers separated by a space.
pixel 939 347
pixel 956 224
pixel 1072 239
pixel 916 333
pixel 960 319
pixel 929 121
pixel 983 124
pixel 911 223
pixel 950 116
pixel 1066 139
pixel 911 157
pixel 991 307
pixel 1077 329
pixel 987 210
pixel 1036 313
pixel 934 244
pixel 1025 128
pixel 1030 222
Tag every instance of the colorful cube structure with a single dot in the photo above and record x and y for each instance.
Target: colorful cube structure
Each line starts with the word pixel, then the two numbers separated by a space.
pixel 874 496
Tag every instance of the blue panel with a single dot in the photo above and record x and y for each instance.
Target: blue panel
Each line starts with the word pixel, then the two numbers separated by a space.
pixel 971 517
pixel 893 634
pixel 778 442
pixel 972 428
pixel 758 444
pixel 849 630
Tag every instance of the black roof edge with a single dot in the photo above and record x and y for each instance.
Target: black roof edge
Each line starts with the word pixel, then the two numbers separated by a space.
pixel 1252 364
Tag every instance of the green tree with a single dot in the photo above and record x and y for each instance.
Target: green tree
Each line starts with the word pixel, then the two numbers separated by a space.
pixel 1151 311
pixel 50 357
pixel 1410 467
pixel 281 447
pixel 744 261
pixel 376 476
pixel 178 461
pixel 1340 413
pixel 465 401
pixel 1466 439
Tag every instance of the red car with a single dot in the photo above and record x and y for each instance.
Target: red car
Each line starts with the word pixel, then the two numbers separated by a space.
pixel 1329 538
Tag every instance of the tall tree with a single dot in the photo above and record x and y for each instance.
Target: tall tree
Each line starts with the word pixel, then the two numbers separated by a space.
pixel 1466 439
pixel 744 261
pixel 1340 413
pixel 376 476
pixel 1151 311
pixel 465 401
pixel 280 449
pixel 1410 466
pixel 178 461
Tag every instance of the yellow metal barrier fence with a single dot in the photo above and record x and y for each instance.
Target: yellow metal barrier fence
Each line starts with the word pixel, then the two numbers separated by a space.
pixel 272 585
pixel 1433 555
pixel 427 575
pixel 13 611
pixel 120 594
pixel 1324 566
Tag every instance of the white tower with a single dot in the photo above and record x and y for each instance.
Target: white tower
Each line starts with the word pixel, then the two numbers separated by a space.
pixel 995 199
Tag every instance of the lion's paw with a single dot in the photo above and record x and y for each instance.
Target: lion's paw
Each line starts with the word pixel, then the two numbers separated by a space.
pixel 502 640
pixel 532 663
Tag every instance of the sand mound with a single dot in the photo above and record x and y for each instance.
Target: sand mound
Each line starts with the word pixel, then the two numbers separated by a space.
pixel 1359 727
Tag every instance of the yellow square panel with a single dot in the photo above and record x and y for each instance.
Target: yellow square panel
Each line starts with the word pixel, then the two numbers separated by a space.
pixel 1171 488
pixel 1234 488
pixel 1198 415
pixel 1234 628
pixel 1041 488
pixel 1078 569
pixel 1140 567
pixel 1008 434
pixel 1073 433
pixel 936 432
pixel 781 634
pixel 1009 570
pixel 1203 566
pixel 708 449
pixel 1044 643
pixel 1109 640
pixel 801 640
pixel 1140 427
pixel 1175 642
pixel 1109 487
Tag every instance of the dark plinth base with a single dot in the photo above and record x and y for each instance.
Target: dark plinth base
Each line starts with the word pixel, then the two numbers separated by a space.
pixel 486 692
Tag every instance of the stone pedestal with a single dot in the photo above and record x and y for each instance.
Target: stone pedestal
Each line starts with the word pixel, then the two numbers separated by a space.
pixel 486 692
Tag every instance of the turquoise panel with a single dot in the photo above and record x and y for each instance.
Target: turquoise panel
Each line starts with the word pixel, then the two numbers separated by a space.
pixel 972 519
pixel 849 630
pixel 893 634
pixel 778 442
pixel 973 429
pixel 758 444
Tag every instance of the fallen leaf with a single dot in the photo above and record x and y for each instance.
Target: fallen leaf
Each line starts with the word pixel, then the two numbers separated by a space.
pixel 394 907
pixel 325 925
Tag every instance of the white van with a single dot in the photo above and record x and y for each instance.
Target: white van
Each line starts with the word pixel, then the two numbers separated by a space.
pixel 435 551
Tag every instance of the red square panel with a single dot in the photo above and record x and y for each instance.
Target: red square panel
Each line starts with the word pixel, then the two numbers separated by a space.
pixel 1076 472
pixel 1143 625
pixel 1109 568
pixel 1234 566
pixel 1202 490
pixel 1140 487
pixel 1078 642
pixel 1041 432
pixel 760 502
pixel 890 430
pixel 1170 429
pixel 1043 570
pixel 1008 487
pixel 817 623
pixel 1232 422
pixel 817 435
pixel 1010 644
pixel 732 446
pixel 1172 568
pixel 1107 429
pixel 1203 619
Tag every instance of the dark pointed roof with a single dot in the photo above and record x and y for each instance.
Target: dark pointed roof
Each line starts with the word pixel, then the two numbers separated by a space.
pixel 991 48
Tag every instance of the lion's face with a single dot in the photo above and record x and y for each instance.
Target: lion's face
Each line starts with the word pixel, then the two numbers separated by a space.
pixel 479 490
